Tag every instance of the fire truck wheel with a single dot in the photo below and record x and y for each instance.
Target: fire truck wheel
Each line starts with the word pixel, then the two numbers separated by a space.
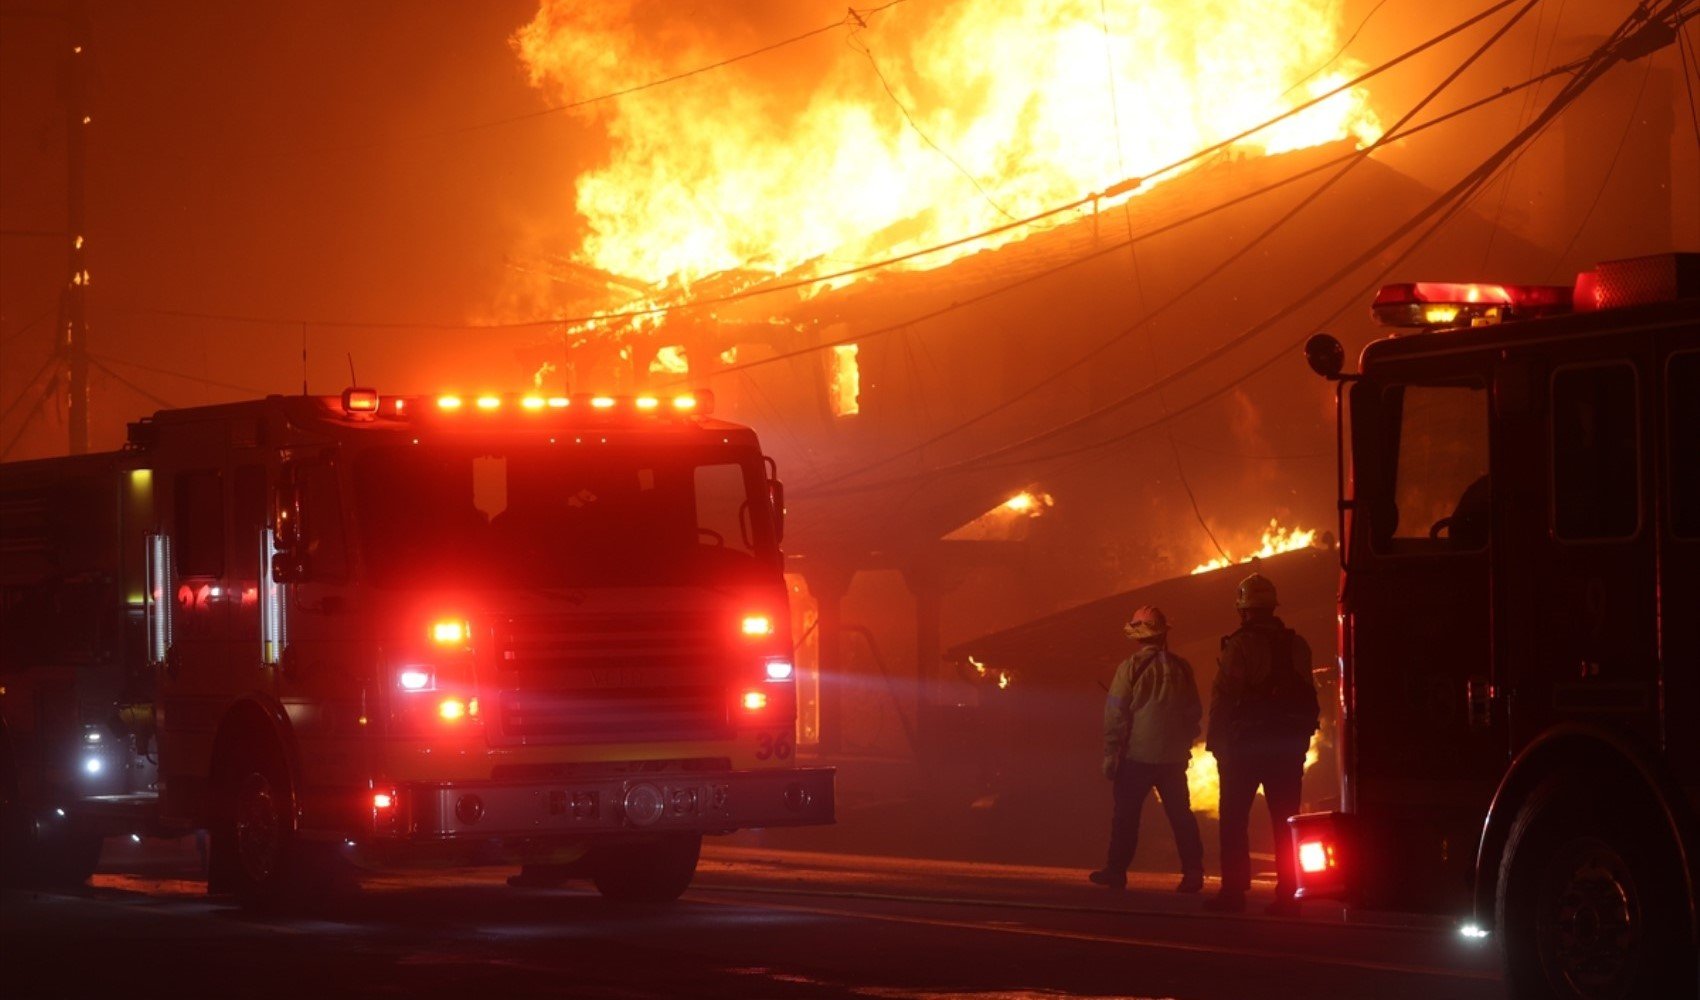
pixel 654 872
pixel 253 843
pixel 1587 905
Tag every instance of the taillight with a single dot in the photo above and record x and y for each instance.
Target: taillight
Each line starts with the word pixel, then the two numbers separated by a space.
pixel 1320 847
pixel 386 810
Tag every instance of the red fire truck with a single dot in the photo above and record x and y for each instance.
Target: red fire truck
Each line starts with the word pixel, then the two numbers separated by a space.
pixel 1520 624
pixel 370 631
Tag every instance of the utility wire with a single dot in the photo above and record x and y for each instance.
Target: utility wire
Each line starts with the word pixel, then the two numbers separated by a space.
pixel 1113 190
pixel 1444 206
pixel 133 387
pixel 856 43
pixel 852 16
pixel 12 337
pixel 182 375
pixel 1304 204
pixel 46 394
pixel 1039 275
pixel 24 393
pixel 1605 178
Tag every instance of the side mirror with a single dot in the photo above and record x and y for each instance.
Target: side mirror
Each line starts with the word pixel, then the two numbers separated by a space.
pixel 288 567
pixel 1325 355
pixel 776 501
pixel 286 527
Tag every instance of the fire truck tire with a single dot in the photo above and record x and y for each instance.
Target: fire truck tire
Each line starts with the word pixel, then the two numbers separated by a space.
pixel 253 841
pixel 653 872
pixel 1590 902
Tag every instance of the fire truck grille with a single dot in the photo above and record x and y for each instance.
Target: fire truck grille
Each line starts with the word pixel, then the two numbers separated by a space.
pixel 586 679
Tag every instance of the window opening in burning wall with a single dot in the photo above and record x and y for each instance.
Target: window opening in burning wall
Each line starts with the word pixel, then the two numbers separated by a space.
pixel 844 382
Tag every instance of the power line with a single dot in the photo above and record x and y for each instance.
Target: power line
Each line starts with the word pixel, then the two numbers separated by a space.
pixel 851 16
pixel 133 387
pixel 182 375
pixel 862 47
pixel 1444 206
pixel 46 394
pixel 12 337
pixel 24 393
pixel 1349 162
pixel 1114 190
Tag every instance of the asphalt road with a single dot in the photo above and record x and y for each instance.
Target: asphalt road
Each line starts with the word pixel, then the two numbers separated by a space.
pixel 757 923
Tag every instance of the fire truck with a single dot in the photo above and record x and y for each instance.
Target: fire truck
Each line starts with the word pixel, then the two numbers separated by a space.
pixel 1519 624
pixel 374 631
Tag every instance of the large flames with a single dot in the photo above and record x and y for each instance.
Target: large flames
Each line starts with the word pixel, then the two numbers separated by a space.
pixel 912 124
pixel 1204 784
pixel 1275 541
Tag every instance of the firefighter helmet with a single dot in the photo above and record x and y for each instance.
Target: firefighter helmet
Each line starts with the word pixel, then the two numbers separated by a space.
pixel 1148 622
pixel 1256 592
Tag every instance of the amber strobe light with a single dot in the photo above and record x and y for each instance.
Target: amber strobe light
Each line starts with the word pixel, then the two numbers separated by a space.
pixel 758 625
pixel 754 701
pixel 450 632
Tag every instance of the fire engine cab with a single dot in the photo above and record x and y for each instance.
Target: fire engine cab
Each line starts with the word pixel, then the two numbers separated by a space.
pixel 379 630
pixel 1520 624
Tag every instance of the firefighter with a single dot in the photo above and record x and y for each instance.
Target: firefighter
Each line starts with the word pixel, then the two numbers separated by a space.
pixel 1263 710
pixel 1150 721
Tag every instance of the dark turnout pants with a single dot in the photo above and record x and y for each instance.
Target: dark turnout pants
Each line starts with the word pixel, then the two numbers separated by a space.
pixel 1133 780
pixel 1280 772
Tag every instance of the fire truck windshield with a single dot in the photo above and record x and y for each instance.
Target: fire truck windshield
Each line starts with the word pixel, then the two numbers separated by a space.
pixel 544 516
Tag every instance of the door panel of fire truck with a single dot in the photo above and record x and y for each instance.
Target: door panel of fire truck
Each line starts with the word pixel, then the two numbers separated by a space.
pixel 323 662
pixel 1428 741
pixel 1679 559
pixel 1581 608
pixel 193 686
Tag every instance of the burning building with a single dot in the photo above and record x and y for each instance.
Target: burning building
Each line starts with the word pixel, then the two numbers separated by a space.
pixel 1100 390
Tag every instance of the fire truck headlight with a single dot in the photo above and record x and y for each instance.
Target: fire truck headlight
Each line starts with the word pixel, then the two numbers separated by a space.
pixel 1473 931
pixel 414 680
pixel 779 669
pixel 92 765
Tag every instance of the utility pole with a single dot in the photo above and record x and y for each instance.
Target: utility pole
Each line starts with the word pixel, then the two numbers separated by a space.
pixel 74 313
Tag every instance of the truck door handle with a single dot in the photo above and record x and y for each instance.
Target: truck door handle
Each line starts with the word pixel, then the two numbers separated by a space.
pixel 1478 702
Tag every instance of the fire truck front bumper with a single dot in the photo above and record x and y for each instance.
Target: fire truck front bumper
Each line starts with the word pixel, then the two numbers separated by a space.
pixel 714 802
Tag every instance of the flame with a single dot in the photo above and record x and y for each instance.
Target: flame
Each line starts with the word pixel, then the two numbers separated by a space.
pixel 1276 540
pixel 912 125
pixel 1204 786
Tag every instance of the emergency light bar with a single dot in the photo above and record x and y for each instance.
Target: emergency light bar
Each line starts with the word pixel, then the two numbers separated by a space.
pixel 366 403
pixel 1428 304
